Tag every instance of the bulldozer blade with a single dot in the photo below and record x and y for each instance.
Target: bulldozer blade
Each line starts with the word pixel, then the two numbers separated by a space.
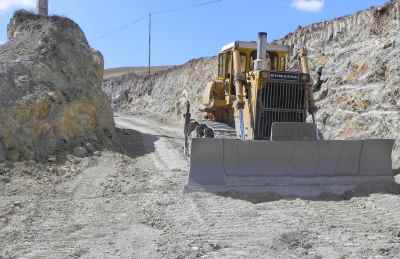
pixel 291 168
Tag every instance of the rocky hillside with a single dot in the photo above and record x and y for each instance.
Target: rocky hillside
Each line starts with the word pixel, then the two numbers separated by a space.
pixel 163 93
pixel 359 55
pixel 50 90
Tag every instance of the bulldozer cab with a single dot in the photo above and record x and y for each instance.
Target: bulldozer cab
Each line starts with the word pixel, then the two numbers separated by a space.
pixel 248 54
pixel 225 64
pixel 278 57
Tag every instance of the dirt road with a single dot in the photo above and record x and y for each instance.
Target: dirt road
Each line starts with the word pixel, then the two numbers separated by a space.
pixel 131 206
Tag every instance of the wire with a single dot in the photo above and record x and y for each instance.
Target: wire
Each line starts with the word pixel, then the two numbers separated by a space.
pixel 161 12
pixel 123 27
pixel 186 7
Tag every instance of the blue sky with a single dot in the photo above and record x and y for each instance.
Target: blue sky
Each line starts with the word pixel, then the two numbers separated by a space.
pixel 190 30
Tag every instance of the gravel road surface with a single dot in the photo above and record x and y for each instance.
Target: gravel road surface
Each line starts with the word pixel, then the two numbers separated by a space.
pixel 131 205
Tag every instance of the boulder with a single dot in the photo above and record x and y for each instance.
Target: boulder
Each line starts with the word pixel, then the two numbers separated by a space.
pixel 51 98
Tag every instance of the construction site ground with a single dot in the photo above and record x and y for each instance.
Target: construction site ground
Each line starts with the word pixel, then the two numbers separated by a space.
pixel 131 205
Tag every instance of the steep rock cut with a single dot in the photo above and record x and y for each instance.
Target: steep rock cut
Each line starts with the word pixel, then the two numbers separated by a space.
pixel 50 89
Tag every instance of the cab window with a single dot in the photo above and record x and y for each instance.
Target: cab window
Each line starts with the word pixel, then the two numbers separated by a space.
pixel 228 65
pixel 243 63
pixel 274 61
pixel 253 57
pixel 221 65
pixel 278 63
pixel 224 65
pixel 283 63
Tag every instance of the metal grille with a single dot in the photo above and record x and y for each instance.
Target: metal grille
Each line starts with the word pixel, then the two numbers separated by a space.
pixel 279 101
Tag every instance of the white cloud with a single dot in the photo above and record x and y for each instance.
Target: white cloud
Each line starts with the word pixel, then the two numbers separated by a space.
pixel 7 4
pixel 308 5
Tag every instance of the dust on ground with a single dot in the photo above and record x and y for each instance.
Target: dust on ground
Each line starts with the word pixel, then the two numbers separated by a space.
pixel 131 205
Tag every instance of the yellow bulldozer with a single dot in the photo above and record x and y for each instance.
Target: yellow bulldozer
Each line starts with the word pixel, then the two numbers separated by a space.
pixel 254 137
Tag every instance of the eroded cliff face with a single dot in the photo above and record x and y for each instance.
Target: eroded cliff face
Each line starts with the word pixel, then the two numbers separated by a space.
pixel 360 60
pixel 50 89
pixel 376 21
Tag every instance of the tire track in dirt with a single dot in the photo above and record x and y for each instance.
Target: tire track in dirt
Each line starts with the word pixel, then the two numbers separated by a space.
pixel 176 211
pixel 212 226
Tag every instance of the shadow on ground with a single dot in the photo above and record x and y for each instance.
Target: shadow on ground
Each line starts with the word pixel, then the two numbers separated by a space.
pixel 133 143
pixel 257 198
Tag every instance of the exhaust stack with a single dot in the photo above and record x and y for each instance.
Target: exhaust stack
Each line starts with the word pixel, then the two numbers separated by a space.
pixel 261 62
pixel 42 7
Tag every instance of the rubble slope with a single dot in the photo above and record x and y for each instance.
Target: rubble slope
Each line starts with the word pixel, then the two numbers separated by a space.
pixel 50 89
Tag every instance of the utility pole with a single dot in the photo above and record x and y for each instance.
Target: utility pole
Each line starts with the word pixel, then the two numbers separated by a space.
pixel 42 7
pixel 149 43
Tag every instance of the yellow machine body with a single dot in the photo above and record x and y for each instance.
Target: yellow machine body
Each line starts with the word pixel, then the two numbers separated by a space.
pixel 220 95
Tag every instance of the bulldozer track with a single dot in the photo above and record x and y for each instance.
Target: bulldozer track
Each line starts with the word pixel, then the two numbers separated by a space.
pixel 220 130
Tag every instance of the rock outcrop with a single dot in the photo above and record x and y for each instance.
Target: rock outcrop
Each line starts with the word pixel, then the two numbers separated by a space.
pixel 50 89
pixel 358 59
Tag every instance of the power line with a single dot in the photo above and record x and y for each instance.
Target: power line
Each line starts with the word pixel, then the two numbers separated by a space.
pixel 186 7
pixel 160 12
pixel 123 27
pixel 173 11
